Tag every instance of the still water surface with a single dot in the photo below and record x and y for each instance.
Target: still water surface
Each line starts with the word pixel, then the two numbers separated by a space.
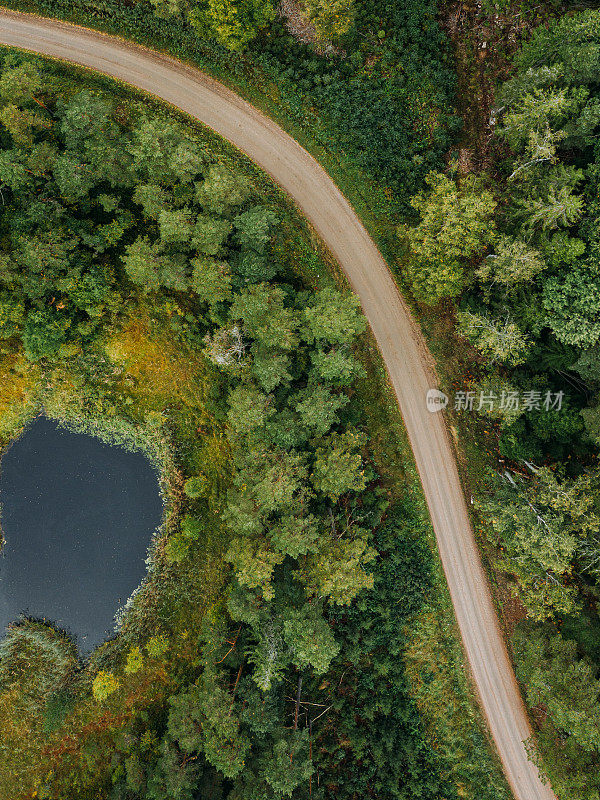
pixel 77 517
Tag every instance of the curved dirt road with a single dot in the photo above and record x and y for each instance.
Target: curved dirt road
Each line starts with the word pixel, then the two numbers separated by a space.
pixel 400 342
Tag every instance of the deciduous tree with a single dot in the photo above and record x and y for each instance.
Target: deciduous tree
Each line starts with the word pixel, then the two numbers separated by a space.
pixel 499 339
pixel 559 680
pixel 338 467
pixel 456 223
pixel 513 262
pixel 148 265
pixel 310 638
pixel 318 408
pixel 539 525
pixel 261 309
pixel 233 23
pixel 333 318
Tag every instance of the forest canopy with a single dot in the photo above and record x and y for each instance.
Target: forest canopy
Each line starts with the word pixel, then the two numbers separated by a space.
pixel 515 247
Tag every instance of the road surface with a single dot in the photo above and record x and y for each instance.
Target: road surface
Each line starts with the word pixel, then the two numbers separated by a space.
pixel 400 341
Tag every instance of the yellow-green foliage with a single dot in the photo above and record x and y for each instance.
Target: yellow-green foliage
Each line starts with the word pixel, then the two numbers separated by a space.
pixel 157 367
pixel 456 223
pixel 19 388
pixel 232 23
pixel 135 661
pixel 331 18
pixel 104 685
pixel 157 646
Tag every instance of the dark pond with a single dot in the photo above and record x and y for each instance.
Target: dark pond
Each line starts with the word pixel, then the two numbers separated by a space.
pixel 78 517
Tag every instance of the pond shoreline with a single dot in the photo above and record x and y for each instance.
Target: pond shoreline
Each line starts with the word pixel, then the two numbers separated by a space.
pixel 87 514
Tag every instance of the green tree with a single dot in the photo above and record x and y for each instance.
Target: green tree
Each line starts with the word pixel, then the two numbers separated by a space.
pixel 261 309
pixel 222 189
pixel 295 534
pixel 249 408
pixel 12 314
pixel 558 679
pixel 225 746
pixel 22 124
pixel 572 303
pixel 253 227
pixel 310 638
pixel 148 265
pixel 84 117
pixel 287 764
pixel 337 572
pixel 13 172
pixel 211 280
pixel 318 408
pixel 186 159
pixel 333 318
pixel 539 525
pixel 560 249
pixel 456 223
pixel 185 720
pixel 175 227
pixel 270 367
pixel 512 263
pixel 254 561
pixel 336 365
pixel 44 333
pixel 559 208
pixel 500 340
pixel 20 83
pixel 179 543
pixel 588 364
pixel 209 234
pixel 338 466
pixel 275 479
pixel 172 777
pixel 536 112
pixel 43 260
pixel 254 267
pixel 152 198
pixel 73 177
pixel 153 147
pixel 233 23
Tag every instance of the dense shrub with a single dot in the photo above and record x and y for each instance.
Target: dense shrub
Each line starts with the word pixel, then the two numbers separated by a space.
pixel 389 100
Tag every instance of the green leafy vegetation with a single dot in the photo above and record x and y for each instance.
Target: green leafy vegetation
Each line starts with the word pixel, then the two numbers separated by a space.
pixel 159 293
pixel 456 224
pixel 517 256
pixel 504 246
